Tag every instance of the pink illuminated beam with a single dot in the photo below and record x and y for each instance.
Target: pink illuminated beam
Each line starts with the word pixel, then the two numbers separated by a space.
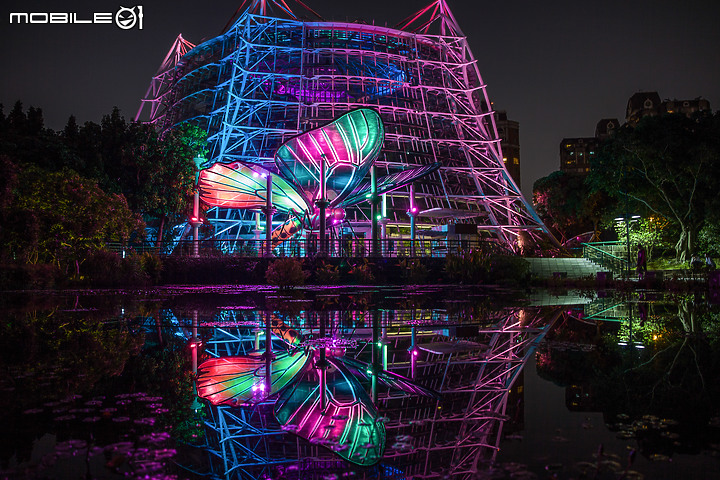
pixel 437 12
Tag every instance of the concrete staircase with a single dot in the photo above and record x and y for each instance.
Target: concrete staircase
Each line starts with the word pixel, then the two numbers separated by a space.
pixel 564 267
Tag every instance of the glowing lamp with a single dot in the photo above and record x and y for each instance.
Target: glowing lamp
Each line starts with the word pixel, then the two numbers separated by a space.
pixel 415 352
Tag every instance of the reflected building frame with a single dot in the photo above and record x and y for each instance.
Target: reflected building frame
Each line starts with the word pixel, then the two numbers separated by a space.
pixel 472 362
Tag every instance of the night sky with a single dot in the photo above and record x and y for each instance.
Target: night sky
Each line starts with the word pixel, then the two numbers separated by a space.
pixel 557 67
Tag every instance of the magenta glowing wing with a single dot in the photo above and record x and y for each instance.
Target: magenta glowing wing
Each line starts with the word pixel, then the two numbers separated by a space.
pixel 243 186
pixel 349 424
pixel 349 145
pixel 241 380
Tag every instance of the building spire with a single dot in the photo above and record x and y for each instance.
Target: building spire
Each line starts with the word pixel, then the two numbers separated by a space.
pixel 437 13
pixel 269 8
pixel 179 48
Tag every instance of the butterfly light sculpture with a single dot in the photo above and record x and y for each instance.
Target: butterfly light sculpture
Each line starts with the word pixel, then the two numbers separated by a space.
pixel 344 421
pixel 346 148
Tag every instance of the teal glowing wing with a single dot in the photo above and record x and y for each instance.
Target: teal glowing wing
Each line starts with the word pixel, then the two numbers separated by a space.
pixel 349 145
pixel 241 380
pixel 243 186
pixel 349 424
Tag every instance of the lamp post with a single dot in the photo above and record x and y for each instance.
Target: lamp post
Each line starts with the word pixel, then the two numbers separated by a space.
pixel 269 210
pixel 412 213
pixel 374 214
pixel 627 220
pixel 322 204
pixel 195 221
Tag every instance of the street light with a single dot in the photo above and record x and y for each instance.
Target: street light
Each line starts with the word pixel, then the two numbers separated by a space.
pixel 627 220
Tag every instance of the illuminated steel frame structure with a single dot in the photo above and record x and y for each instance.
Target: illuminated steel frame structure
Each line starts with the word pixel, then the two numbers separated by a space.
pixel 266 80
pixel 457 436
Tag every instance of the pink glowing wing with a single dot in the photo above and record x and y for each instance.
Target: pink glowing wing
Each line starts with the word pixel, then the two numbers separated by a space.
pixel 389 379
pixel 389 183
pixel 349 424
pixel 349 144
pixel 241 380
pixel 243 186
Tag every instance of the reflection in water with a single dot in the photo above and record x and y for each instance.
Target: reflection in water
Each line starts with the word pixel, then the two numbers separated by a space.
pixel 101 385
pixel 646 363
pixel 397 426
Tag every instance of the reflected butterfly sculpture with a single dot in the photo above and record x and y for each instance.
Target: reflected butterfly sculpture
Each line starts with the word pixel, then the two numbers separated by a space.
pixel 348 146
pixel 349 423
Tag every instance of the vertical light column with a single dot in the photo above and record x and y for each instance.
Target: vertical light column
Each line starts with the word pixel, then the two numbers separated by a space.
pixel 376 352
pixel 412 212
pixel 268 217
pixel 322 365
pixel 322 204
pixel 195 221
pixel 374 250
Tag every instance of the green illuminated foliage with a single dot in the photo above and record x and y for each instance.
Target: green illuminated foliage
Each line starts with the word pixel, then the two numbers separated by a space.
pixel 61 218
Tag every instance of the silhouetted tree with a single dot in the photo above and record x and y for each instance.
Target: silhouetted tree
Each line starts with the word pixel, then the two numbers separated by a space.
pixel 667 166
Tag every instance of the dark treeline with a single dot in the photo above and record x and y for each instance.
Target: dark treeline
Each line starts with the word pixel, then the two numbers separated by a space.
pixel 65 194
pixel 663 172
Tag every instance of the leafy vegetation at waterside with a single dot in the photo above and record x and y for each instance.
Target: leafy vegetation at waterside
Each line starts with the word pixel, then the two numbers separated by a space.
pixel 64 195
pixel 666 170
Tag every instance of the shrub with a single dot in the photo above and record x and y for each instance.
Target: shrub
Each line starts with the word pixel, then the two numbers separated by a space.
pixel 102 268
pixel 509 269
pixel 285 273
pixel 362 273
pixel 131 271
pixel 152 266
pixel 327 274
pixel 414 270
pixel 467 266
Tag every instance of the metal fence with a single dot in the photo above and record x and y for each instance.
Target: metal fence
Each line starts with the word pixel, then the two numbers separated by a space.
pixel 339 248
pixel 611 255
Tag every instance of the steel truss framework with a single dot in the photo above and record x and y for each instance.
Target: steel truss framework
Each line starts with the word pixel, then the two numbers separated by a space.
pixel 268 79
pixel 456 436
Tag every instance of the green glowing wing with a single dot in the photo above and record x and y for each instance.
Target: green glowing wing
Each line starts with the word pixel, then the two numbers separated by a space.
pixel 349 424
pixel 349 145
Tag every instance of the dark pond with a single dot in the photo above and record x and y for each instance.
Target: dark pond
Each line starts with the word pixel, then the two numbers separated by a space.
pixel 425 382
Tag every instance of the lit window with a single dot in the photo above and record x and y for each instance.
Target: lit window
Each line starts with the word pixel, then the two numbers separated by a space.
pixel 516 161
pixel 505 159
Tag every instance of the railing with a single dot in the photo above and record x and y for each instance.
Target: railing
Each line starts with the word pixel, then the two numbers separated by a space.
pixel 352 247
pixel 604 254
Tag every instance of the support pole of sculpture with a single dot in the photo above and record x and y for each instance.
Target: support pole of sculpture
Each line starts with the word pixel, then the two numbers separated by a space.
pixel 268 217
pixel 376 351
pixel 268 352
pixel 196 223
pixel 322 204
pixel 322 364
pixel 412 212
pixel 374 250
pixel 195 220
